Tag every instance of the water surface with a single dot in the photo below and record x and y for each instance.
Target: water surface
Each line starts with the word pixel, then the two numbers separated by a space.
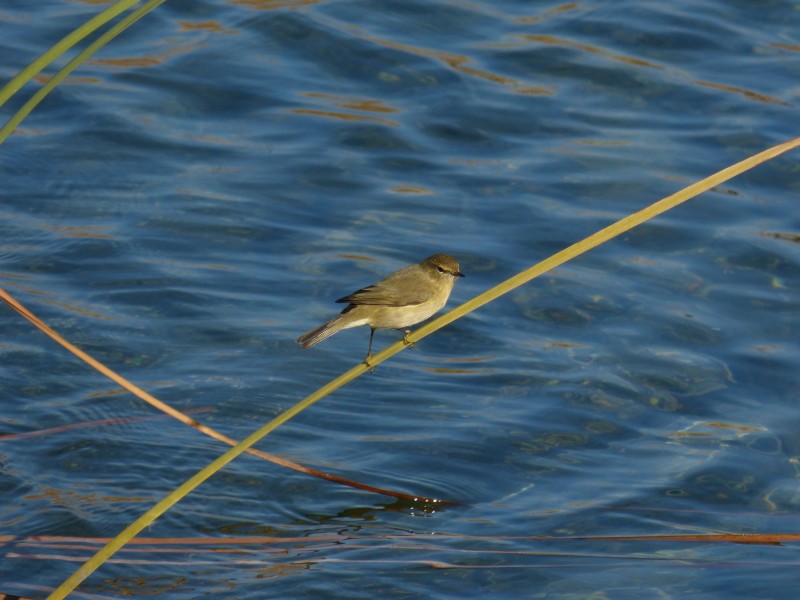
pixel 195 197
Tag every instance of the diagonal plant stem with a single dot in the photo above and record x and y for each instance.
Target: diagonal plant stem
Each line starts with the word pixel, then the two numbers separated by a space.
pixel 14 122
pixel 109 35
pixel 594 240
pixel 187 420
pixel 62 46
pixel 546 265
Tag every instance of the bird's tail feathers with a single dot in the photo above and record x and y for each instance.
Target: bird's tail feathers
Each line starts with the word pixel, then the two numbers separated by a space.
pixel 323 332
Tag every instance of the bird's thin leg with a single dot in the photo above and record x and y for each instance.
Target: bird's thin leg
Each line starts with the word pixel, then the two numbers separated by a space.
pixel 369 352
pixel 405 339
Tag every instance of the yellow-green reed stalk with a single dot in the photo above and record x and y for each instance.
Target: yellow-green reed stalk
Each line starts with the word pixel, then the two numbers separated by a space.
pixel 109 35
pixel 62 46
pixel 508 285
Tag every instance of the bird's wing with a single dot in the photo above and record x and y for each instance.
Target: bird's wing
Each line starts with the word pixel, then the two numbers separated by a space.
pixel 399 289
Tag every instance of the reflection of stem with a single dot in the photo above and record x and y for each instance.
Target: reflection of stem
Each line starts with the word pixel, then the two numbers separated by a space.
pixel 98 423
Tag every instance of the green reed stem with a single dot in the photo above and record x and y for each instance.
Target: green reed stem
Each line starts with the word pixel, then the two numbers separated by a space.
pixel 62 46
pixel 109 35
pixel 548 264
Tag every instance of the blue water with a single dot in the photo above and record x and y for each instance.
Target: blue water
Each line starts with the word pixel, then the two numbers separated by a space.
pixel 195 197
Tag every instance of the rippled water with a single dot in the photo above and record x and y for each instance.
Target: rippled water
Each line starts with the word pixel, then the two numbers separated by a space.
pixel 195 197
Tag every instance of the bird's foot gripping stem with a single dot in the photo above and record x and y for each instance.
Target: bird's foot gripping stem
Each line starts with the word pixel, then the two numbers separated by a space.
pixel 405 339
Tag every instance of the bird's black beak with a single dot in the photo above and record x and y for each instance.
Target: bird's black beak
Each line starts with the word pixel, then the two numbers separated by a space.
pixel 459 274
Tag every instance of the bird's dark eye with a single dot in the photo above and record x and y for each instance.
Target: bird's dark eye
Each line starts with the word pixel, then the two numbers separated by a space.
pixel 440 269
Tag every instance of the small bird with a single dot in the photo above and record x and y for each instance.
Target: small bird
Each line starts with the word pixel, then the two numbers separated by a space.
pixel 404 298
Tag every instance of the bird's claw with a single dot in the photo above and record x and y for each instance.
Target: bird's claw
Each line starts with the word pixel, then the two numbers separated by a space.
pixel 405 339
